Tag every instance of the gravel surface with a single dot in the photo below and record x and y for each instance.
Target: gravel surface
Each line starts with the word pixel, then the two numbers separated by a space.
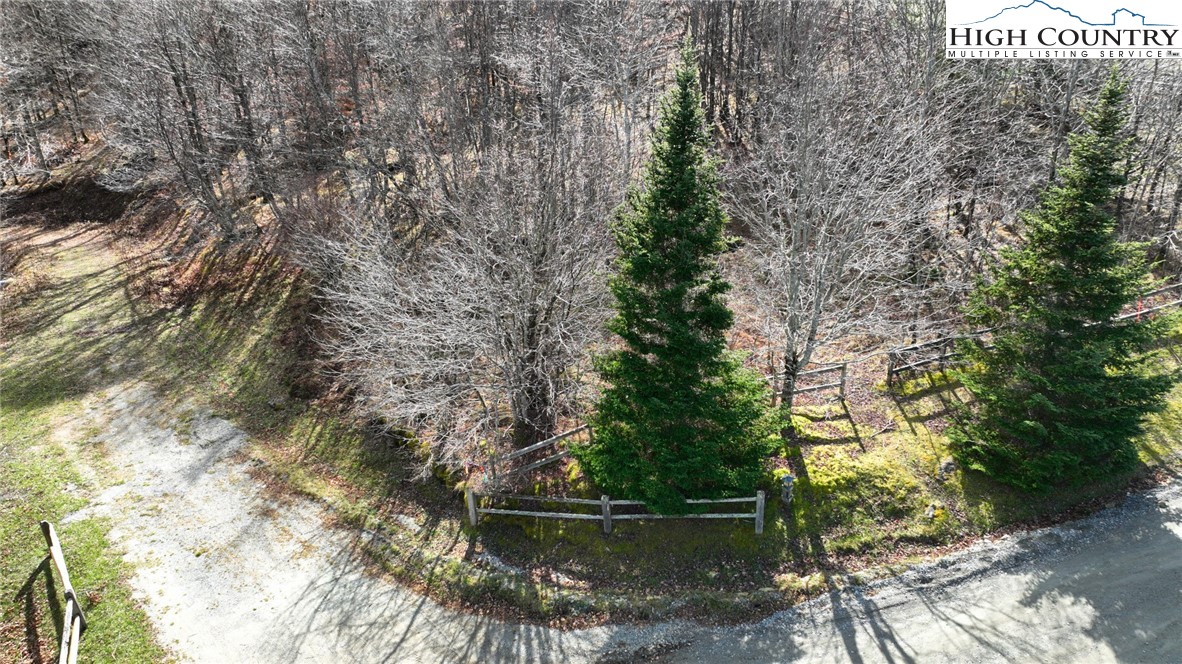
pixel 230 574
pixel 1107 588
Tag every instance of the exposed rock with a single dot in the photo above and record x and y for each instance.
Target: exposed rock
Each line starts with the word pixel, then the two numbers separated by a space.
pixel 407 522
pixel 498 564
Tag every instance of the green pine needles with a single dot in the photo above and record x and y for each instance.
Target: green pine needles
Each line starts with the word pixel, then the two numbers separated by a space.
pixel 679 418
pixel 1064 387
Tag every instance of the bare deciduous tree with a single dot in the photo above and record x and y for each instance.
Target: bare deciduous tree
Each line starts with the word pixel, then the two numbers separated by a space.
pixel 487 322
pixel 825 197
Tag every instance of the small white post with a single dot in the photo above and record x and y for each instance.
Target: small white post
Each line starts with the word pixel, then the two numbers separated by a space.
pixel 470 498
pixel 759 498
pixel 607 514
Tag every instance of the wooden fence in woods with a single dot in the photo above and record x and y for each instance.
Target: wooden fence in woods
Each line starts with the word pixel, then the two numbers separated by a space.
pixel 501 467
pixel 73 620
pixel 839 368
pixel 900 360
pixel 1141 310
pixel 914 357
pixel 942 352
pixel 606 513
pixel 821 372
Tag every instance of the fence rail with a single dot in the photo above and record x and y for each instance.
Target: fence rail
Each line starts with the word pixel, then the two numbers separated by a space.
pixel 472 500
pixel 73 620
pixel 496 467
pixel 915 356
pixel 839 367
pixel 1142 312
pixel 902 358
pixel 549 442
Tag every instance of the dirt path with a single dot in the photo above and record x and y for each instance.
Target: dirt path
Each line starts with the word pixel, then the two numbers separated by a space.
pixel 234 575
pixel 229 573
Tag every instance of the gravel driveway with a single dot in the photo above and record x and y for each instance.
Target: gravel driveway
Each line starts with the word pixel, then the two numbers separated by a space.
pixel 229 574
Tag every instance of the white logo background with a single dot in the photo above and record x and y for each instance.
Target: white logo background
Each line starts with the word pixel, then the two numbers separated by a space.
pixel 1144 28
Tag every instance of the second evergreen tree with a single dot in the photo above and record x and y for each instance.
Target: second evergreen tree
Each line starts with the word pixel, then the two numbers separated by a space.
pixel 1064 386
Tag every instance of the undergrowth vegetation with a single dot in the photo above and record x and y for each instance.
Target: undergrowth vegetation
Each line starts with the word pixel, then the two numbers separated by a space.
pixel 871 495
pixel 376 237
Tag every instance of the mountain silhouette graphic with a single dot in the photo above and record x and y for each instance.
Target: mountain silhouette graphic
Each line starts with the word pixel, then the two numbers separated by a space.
pixel 1035 3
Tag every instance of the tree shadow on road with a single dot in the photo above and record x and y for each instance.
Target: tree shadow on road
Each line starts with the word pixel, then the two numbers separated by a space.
pixel 1131 578
pixel 1104 588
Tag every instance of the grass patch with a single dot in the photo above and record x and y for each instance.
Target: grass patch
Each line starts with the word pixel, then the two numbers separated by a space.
pixel 860 503
pixel 56 358
pixel 34 476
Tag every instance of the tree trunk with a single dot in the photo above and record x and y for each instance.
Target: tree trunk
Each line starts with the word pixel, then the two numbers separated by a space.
pixel 788 395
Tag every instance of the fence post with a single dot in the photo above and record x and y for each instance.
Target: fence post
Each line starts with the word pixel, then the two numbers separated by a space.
pixel 890 369
pixel 607 514
pixel 75 634
pixel 470 498
pixel 841 390
pixel 59 561
pixel 759 499
pixel 67 632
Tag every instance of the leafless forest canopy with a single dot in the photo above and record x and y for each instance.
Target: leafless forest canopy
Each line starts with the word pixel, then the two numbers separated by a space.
pixel 445 172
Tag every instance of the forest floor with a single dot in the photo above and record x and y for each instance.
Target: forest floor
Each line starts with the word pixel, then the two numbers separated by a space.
pixel 105 323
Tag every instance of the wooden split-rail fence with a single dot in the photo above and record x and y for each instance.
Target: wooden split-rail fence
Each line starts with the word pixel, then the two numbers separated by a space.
pixel 822 373
pixel 939 352
pixel 900 360
pixel 501 467
pixel 942 352
pixel 607 513
pixel 73 620
pixel 1142 311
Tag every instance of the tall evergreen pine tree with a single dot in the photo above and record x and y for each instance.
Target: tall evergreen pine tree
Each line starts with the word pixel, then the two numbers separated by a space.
pixel 680 418
pixel 1064 387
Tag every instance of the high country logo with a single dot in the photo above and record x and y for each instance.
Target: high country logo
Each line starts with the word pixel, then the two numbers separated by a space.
pixel 1075 29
